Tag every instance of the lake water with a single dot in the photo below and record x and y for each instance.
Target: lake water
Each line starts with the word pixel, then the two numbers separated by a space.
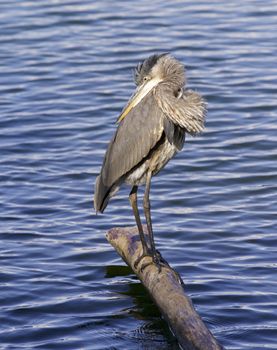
pixel 65 73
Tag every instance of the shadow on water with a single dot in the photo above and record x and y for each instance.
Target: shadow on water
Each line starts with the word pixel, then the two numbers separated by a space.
pixel 154 326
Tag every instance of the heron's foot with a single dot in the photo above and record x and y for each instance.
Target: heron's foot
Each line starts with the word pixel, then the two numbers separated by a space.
pixel 161 259
pixel 145 253
pixel 158 260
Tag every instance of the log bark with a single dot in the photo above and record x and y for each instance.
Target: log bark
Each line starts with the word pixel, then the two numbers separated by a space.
pixel 167 291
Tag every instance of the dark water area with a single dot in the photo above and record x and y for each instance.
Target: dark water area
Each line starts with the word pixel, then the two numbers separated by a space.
pixel 65 74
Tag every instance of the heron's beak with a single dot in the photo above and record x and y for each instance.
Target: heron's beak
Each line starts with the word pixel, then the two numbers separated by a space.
pixel 139 94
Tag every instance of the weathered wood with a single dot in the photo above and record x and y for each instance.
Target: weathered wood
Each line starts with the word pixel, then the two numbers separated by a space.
pixel 167 290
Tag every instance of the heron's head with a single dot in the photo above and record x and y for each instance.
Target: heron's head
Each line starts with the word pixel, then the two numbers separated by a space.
pixel 155 70
pixel 163 68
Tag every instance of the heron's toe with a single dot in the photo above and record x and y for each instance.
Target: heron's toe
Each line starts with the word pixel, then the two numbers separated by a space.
pixel 144 255
pixel 157 260
pixel 159 257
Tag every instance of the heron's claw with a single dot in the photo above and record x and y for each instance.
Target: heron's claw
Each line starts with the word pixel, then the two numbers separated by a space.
pixel 161 259
pixel 158 260
pixel 144 254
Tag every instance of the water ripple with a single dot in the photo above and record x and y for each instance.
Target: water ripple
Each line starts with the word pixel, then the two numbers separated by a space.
pixel 66 70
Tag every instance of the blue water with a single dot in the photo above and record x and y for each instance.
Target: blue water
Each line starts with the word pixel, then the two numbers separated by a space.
pixel 65 74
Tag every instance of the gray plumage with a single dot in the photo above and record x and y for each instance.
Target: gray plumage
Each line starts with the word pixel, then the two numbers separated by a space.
pixel 126 150
pixel 161 111
pixel 152 129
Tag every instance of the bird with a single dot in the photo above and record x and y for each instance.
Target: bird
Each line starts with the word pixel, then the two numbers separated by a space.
pixel 151 129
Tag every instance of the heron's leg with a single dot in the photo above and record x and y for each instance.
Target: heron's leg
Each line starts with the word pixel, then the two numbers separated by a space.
pixel 146 207
pixel 157 258
pixel 133 201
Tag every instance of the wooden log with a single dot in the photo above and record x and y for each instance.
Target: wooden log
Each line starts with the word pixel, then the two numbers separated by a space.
pixel 167 291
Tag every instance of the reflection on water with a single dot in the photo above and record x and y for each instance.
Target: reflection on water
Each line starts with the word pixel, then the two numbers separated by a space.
pixel 152 330
pixel 66 70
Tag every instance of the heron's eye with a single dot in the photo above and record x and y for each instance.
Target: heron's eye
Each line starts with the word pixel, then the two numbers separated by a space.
pixel 178 94
pixel 145 79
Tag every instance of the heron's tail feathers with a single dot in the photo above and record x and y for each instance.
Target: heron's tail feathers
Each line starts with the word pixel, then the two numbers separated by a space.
pixel 101 195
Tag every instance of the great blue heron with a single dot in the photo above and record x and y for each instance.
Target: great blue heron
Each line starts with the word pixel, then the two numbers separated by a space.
pixel 151 131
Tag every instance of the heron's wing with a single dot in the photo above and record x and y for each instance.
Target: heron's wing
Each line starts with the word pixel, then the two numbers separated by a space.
pixel 136 135
pixel 174 133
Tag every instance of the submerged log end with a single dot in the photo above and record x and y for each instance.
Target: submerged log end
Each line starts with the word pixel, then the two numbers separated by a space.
pixel 167 291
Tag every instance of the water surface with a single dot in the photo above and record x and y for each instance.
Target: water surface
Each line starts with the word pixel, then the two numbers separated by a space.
pixel 66 72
